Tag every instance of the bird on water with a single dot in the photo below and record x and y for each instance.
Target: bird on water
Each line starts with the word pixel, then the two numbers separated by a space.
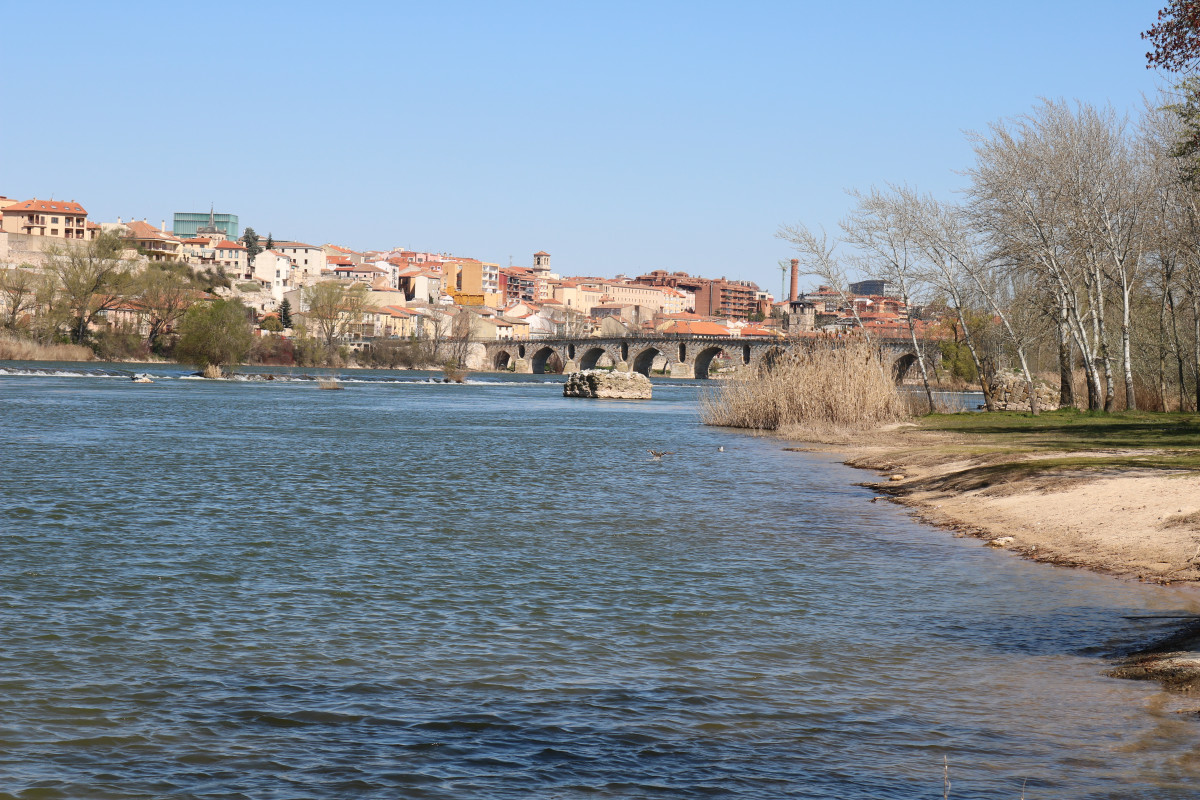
pixel 657 454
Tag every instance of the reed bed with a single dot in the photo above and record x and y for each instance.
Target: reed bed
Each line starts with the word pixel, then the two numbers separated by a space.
pixel 24 350
pixel 821 389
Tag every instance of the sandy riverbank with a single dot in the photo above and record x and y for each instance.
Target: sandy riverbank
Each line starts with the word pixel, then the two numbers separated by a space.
pixel 1142 524
pixel 1139 524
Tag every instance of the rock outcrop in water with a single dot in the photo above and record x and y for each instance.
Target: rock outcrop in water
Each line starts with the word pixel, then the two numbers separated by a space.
pixel 599 383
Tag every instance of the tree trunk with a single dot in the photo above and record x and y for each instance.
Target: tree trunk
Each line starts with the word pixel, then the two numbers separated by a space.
pixel 1162 351
pixel 989 402
pixel 1196 343
pixel 1066 387
pixel 1178 350
pixel 1110 395
pixel 912 334
pixel 1126 358
pixel 1033 405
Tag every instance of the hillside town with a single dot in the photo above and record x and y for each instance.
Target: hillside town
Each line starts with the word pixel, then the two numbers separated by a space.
pixel 398 294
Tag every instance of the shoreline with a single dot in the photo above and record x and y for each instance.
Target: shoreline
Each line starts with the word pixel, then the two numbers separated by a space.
pixel 1126 524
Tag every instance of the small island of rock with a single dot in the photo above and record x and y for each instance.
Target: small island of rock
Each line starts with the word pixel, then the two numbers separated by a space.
pixel 601 383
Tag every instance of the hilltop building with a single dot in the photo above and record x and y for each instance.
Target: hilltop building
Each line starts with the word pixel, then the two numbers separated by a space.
pixel 188 225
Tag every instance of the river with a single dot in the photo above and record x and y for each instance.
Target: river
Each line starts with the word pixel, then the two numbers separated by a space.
pixel 232 589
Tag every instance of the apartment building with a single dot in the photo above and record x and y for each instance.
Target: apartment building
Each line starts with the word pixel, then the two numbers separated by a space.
pixel 53 218
pixel 308 261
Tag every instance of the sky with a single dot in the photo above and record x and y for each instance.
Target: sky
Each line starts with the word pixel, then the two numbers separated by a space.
pixel 619 137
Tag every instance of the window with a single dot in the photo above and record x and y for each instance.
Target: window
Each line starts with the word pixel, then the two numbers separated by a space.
pixel 54 220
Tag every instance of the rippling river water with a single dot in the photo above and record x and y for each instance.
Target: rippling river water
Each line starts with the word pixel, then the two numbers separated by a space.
pixel 262 590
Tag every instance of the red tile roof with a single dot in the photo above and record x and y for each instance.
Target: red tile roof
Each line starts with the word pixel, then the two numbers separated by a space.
pixel 46 206
pixel 697 327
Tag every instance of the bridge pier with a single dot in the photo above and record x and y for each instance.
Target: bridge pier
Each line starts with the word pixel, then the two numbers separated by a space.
pixel 522 366
pixel 622 366
pixel 681 369
pixel 569 366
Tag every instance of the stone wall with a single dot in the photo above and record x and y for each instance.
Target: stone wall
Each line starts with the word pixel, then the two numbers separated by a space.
pixel 1011 392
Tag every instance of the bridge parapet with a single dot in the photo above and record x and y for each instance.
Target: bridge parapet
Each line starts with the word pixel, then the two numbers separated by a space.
pixel 679 355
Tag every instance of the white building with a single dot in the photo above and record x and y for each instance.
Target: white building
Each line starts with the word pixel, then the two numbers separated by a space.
pixel 273 271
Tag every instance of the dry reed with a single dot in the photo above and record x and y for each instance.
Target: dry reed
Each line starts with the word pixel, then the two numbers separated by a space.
pixel 24 350
pixel 820 389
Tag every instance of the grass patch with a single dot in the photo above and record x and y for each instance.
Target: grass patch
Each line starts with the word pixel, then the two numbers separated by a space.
pixel 1070 430
pixel 1056 450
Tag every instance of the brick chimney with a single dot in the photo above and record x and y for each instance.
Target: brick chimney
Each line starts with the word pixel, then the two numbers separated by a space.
pixel 795 292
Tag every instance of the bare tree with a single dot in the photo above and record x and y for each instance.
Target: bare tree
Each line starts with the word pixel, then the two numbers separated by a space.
pixel 165 296
pixel 1030 196
pixel 334 308
pixel 882 229
pixel 956 261
pixel 818 258
pixel 92 277
pixel 18 293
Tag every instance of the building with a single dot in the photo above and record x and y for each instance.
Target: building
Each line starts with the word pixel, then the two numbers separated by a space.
pixel 273 271
pixel 52 218
pixel 308 261
pixel 713 297
pixel 187 225
pixel 154 244
pixel 876 286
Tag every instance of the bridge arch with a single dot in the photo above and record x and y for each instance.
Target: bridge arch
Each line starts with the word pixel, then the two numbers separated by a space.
pixel 520 351
pixel 591 357
pixel 571 351
pixel 746 353
pixel 546 360
pixel 502 361
pixel 704 360
pixel 901 366
pixel 644 362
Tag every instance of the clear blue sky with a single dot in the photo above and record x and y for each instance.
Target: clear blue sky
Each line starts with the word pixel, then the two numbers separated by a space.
pixel 617 136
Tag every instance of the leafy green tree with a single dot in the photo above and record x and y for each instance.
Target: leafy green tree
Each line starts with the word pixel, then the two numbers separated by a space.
pixel 270 242
pixel 253 248
pixel 285 313
pixel 271 324
pixel 215 334
pixel 92 277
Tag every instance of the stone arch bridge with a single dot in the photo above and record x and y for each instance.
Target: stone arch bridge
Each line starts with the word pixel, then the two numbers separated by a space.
pixel 682 356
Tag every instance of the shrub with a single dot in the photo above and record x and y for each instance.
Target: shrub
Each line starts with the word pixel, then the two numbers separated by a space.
pixel 822 388
pixel 274 350
pixel 118 345
pixel 216 333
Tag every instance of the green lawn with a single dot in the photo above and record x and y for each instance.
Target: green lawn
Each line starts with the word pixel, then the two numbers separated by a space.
pixel 1122 441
